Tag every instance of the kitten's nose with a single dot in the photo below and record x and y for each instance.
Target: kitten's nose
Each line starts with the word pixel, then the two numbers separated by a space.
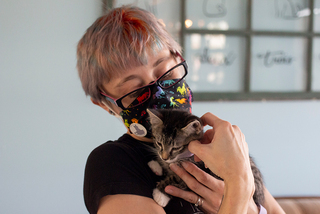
pixel 164 155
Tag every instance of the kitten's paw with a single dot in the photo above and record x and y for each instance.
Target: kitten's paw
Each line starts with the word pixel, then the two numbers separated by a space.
pixel 161 198
pixel 155 167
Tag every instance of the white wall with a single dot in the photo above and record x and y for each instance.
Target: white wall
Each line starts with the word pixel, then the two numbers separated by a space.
pixel 283 137
pixel 48 127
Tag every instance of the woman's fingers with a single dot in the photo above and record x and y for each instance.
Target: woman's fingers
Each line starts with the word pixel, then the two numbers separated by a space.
pixel 191 197
pixel 213 197
pixel 202 184
pixel 207 136
pixel 191 182
pixel 186 195
pixel 223 148
pixel 204 178
pixel 200 150
pixel 225 152
pixel 210 119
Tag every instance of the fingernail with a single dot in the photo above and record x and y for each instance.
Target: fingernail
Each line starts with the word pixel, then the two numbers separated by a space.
pixel 168 190
pixel 184 164
pixel 173 166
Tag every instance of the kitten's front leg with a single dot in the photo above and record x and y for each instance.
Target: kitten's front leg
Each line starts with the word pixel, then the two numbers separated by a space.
pixel 161 198
pixel 155 167
pixel 159 194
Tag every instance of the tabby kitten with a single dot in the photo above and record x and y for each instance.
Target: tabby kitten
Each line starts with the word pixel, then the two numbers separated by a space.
pixel 172 131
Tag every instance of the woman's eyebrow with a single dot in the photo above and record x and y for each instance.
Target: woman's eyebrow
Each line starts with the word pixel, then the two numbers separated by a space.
pixel 161 60
pixel 126 80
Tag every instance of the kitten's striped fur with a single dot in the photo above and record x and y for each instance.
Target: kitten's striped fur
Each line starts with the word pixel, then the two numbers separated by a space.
pixel 172 131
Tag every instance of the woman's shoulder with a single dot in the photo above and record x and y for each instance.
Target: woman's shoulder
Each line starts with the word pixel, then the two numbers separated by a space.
pixel 117 167
pixel 124 147
pixel 118 161
pixel 110 147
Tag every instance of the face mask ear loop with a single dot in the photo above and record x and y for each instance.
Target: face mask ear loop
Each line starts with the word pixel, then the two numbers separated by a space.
pixel 115 114
pixel 112 112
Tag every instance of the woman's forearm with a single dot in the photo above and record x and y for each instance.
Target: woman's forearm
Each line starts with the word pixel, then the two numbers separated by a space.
pixel 271 204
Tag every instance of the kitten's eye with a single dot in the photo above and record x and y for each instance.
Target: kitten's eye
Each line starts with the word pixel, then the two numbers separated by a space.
pixel 177 149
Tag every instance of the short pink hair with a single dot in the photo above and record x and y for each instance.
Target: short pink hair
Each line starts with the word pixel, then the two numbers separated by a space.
pixel 116 42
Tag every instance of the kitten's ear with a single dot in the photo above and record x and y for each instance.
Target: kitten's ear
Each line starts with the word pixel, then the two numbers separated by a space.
pixel 154 117
pixel 193 127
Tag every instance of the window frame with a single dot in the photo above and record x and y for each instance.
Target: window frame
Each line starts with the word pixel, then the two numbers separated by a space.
pixel 248 34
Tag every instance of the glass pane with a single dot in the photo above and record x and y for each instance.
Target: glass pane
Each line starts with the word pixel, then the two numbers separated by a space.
pixel 216 14
pixel 316 65
pixel 278 64
pixel 216 62
pixel 167 11
pixel 280 15
pixel 316 12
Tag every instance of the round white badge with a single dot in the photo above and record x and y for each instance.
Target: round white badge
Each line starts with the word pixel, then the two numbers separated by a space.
pixel 138 129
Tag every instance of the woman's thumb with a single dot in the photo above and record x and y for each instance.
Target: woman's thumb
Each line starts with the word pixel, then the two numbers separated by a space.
pixel 198 149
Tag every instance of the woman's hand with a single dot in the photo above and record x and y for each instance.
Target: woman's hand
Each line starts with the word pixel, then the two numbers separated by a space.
pixel 225 152
pixel 223 149
pixel 202 184
pixel 207 187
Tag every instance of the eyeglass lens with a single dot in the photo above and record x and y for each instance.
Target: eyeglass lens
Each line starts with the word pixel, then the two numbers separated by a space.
pixel 139 96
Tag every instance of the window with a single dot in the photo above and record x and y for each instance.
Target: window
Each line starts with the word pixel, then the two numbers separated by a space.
pixel 245 49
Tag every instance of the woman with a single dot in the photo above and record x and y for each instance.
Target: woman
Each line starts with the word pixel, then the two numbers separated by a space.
pixel 124 60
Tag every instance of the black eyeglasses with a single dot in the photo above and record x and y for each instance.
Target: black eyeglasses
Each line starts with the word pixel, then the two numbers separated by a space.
pixel 140 95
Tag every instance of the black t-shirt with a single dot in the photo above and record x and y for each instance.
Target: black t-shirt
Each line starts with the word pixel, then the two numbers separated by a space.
pixel 120 167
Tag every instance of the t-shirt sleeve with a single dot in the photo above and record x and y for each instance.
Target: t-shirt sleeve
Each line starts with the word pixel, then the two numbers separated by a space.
pixel 115 168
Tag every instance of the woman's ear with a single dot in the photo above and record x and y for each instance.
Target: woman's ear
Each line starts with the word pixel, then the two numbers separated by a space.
pixel 103 105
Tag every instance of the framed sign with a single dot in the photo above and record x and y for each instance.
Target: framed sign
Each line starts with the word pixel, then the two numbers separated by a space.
pixel 216 62
pixel 281 15
pixel 216 14
pixel 316 17
pixel 316 65
pixel 278 64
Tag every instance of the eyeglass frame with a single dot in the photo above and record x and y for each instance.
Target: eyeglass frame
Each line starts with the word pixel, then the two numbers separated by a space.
pixel 118 102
